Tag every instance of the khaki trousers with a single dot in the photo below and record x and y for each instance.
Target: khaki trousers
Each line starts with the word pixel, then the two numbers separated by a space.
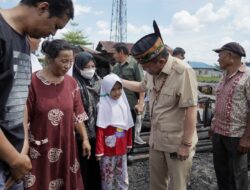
pixel 167 173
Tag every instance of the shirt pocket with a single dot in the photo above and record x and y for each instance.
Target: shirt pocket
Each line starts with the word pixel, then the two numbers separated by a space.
pixel 168 96
pixel 173 137
pixel 128 74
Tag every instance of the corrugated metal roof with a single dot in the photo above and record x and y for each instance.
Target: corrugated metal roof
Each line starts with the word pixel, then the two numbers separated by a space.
pixel 200 65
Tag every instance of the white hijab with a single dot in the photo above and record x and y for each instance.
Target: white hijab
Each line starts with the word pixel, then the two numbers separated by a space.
pixel 113 112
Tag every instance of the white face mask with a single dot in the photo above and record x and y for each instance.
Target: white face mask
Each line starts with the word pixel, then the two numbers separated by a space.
pixel 88 73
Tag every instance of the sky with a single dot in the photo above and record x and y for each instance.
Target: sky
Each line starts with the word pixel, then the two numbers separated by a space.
pixel 198 26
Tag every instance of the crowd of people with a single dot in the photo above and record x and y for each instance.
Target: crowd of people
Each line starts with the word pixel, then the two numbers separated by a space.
pixel 74 132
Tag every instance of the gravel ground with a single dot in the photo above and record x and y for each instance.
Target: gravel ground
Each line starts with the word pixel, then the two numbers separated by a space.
pixel 202 175
pixel 138 176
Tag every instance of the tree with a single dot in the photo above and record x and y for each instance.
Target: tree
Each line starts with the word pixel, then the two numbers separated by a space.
pixel 76 37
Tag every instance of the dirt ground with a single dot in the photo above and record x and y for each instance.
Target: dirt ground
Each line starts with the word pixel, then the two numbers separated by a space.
pixel 202 175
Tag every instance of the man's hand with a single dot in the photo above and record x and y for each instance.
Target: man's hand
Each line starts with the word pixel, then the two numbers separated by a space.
pixel 20 167
pixel 183 152
pixel 86 148
pixel 8 184
pixel 244 144
pixel 10 181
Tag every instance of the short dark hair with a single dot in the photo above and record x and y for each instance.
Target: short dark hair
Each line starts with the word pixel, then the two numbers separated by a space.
pixel 52 48
pixel 57 8
pixel 178 50
pixel 121 47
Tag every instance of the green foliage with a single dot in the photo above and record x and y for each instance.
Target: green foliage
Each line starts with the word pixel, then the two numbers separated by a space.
pixel 76 37
pixel 42 61
pixel 208 79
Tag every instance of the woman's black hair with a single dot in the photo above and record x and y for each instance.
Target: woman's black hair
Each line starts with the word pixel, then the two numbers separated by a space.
pixel 52 48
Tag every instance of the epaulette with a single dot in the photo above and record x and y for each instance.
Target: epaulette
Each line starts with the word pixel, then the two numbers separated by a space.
pixel 178 67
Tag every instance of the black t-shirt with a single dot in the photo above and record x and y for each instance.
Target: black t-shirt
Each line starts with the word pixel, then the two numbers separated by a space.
pixel 15 73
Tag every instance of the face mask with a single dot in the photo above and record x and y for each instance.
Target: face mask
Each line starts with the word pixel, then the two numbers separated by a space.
pixel 88 73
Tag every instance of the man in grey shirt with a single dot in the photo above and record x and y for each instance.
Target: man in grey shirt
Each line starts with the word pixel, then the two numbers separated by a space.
pixel 36 18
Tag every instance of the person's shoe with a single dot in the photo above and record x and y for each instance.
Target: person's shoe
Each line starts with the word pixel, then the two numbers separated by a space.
pixel 138 140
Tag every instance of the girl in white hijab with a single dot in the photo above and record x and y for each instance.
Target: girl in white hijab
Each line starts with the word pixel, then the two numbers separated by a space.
pixel 114 134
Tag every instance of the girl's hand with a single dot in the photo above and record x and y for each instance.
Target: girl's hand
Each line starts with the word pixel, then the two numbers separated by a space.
pixel 86 148
pixel 129 149
pixel 98 158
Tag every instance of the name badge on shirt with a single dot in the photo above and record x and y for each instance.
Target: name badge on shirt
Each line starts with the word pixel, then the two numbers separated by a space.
pixel 119 133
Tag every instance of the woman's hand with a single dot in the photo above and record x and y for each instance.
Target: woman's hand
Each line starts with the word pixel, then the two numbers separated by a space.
pixel 86 148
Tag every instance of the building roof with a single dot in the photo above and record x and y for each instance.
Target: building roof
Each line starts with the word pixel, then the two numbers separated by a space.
pixel 201 65
pixel 90 50
pixel 107 46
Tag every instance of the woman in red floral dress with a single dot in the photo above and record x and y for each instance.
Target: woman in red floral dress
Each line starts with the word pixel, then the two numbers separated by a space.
pixel 55 112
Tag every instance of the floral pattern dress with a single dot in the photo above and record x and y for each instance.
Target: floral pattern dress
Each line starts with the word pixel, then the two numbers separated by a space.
pixel 53 109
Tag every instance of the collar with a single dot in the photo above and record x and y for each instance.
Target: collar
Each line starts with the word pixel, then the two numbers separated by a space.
pixel 126 61
pixel 168 66
pixel 241 69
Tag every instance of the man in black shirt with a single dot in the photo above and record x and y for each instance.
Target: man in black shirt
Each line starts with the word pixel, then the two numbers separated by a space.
pixel 36 18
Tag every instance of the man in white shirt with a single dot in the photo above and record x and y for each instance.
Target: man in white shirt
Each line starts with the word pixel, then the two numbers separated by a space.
pixel 34 44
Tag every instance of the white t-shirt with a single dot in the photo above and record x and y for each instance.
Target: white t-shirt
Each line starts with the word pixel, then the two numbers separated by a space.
pixel 70 71
pixel 36 65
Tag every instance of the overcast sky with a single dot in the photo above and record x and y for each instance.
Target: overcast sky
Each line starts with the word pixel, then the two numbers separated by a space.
pixel 196 25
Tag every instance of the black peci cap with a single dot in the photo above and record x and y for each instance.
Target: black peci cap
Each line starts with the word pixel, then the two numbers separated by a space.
pixel 149 46
pixel 233 47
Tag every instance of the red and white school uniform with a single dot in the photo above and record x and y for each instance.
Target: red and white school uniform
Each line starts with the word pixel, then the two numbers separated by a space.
pixel 113 141
pixel 114 136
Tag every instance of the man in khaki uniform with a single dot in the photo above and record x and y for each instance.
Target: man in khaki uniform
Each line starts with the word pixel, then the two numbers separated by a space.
pixel 172 88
